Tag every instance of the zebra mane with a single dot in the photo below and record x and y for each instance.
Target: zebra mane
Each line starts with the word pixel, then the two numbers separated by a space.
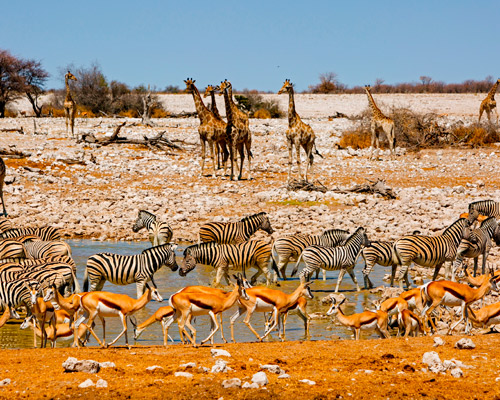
pixel 454 224
pixel 487 222
pixel 199 246
pixel 353 235
pixel 329 231
pixel 480 202
pixel 253 216
pixel 147 213
pixel 155 247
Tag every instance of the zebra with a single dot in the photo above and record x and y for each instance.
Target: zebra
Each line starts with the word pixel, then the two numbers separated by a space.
pixel 5 224
pixel 60 274
pixel 293 245
pixel 44 249
pixel 45 233
pixel 341 258
pixel 3 170
pixel 234 232
pixel 13 295
pixel 123 270
pixel 490 208
pixel 220 256
pixel 477 242
pixel 382 253
pixel 159 232
pixel 429 251
pixel 11 249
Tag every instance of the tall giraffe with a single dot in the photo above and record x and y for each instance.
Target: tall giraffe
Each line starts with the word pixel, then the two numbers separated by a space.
pixel 380 123
pixel 298 134
pixel 489 104
pixel 222 153
pixel 2 177
pixel 210 130
pixel 69 104
pixel 238 135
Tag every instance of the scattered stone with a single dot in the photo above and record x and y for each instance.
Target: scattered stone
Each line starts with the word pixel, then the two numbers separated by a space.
pixel 101 383
pixel 260 378
pixel 457 372
pixel 275 369
pixel 86 384
pixel 74 365
pixel 5 382
pixel 438 341
pixel 465 344
pixel 153 368
pixel 203 369
pixel 248 385
pixel 309 382
pixel 183 374
pixel 368 371
pixel 107 364
pixel 220 353
pixel 284 376
pixel 231 383
pixel 220 366
pixel 431 358
pixel 188 365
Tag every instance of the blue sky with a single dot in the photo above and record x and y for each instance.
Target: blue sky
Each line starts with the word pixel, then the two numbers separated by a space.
pixel 258 44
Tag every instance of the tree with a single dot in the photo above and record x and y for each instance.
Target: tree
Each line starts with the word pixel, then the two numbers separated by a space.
pixel 426 81
pixel 328 83
pixel 11 82
pixel 92 90
pixel 34 78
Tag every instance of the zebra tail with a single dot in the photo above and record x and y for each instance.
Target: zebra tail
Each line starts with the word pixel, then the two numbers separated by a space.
pixel 296 265
pixel 274 265
pixel 76 285
pixel 86 281
pixel 395 255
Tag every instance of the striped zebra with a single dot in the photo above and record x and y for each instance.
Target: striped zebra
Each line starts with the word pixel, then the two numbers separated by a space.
pixel 292 246
pixel 27 262
pixel 341 258
pixel 13 295
pixel 124 270
pixel 45 249
pixel 234 232
pixel 256 253
pixel 3 170
pixel 381 253
pixel 45 233
pixel 477 242
pixel 490 208
pixel 5 224
pixel 11 249
pixel 429 251
pixel 159 232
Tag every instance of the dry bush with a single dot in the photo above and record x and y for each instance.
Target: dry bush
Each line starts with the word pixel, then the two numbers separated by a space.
pixel 84 112
pixel 130 113
pixel 475 135
pixel 358 139
pixel 10 113
pixel 262 114
pixel 159 112
pixel 252 102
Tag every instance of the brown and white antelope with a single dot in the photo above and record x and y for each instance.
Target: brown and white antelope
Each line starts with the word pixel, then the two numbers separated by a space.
pixel 486 316
pixel 410 322
pixel 262 299
pixel 189 304
pixel 452 294
pixel 52 333
pixel 414 299
pixel 368 320
pixel 106 304
pixel 41 310
pixel 159 315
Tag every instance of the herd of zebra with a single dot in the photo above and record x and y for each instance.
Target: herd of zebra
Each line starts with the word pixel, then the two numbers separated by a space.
pixel 37 272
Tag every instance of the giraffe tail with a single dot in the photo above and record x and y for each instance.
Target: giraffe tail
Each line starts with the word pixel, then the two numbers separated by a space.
pixel 316 151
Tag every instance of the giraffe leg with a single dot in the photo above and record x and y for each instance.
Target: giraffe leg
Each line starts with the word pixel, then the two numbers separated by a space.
pixel 242 158
pixel 66 119
pixel 248 145
pixel 297 150
pixel 233 155
pixel 203 149
pixel 213 150
pixel 72 113
pixel 374 136
pixel 290 158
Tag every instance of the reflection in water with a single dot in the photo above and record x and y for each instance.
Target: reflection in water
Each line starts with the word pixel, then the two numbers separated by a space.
pixel 170 282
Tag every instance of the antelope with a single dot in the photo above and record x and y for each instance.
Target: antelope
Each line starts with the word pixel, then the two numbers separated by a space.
pixel 486 316
pixel 414 299
pixel 365 320
pixel 159 316
pixel 187 304
pixel 300 307
pixel 477 281
pixel 53 332
pixel 452 294
pixel 106 304
pixel 392 305
pixel 42 311
pixel 410 323
pixel 262 299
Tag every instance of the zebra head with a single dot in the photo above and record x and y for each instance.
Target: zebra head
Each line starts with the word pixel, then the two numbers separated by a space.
pixel 266 225
pixel 141 219
pixel 188 263
pixel 170 260
pixel 335 306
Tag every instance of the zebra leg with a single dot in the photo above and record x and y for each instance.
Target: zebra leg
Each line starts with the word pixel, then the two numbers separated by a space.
pixel 402 272
pixel 436 271
pixel 253 279
pixel 353 277
pixel 393 273
pixel 339 280
pixel 282 267
pixel 140 286
pixel 219 275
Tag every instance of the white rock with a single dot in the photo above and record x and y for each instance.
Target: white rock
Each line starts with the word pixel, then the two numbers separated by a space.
pixel 438 341
pixel 183 374
pixel 260 378
pixel 220 353
pixel 101 383
pixel 248 385
pixel 5 382
pixel 284 376
pixel 188 365
pixel 465 343
pixel 86 384
pixel 74 365
pixel 153 367
pixel 231 383
pixel 220 366
pixel 431 358
pixel 309 382
pixel 107 364
pixel 456 372
pixel 275 369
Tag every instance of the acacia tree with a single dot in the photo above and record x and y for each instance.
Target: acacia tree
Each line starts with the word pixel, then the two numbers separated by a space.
pixel 34 78
pixel 11 82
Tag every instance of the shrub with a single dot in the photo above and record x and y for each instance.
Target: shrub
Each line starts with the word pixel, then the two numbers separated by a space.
pixel 130 113
pixel 262 114
pixel 358 139
pixel 159 112
pixel 252 102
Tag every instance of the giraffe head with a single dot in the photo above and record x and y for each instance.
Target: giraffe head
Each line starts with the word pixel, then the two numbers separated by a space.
pixel 209 90
pixel 224 86
pixel 189 85
pixel 69 75
pixel 368 88
pixel 287 86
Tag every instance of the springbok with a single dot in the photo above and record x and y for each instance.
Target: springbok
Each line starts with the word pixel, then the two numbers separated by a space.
pixel 42 311
pixel 410 322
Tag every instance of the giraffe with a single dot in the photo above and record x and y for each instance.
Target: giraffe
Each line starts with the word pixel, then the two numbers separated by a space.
pixel 489 104
pixel 210 129
pixel 2 177
pixel 380 123
pixel 238 135
pixel 298 134
pixel 222 153
pixel 69 104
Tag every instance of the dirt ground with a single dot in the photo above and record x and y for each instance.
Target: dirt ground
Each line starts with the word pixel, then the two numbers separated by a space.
pixel 340 368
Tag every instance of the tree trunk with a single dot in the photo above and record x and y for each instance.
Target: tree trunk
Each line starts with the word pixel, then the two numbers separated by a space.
pixel 34 104
pixel 2 109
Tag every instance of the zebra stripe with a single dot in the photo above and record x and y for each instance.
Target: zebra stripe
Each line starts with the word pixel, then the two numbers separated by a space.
pixel 220 256
pixel 293 245
pixel 26 262
pixel 378 252
pixel 159 232
pixel 5 224
pixel 45 233
pixel 429 251
pixel 45 249
pixel 123 270
pixel 3 170
pixel 341 258
pixel 11 249
pixel 477 242
pixel 61 274
pixel 234 232
pixel 490 208
pixel 15 294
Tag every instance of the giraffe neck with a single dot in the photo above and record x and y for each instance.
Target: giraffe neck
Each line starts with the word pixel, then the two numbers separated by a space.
pixel 229 111
pixel 68 92
pixel 375 110
pixel 292 114
pixel 201 109
pixel 214 105
pixel 491 93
